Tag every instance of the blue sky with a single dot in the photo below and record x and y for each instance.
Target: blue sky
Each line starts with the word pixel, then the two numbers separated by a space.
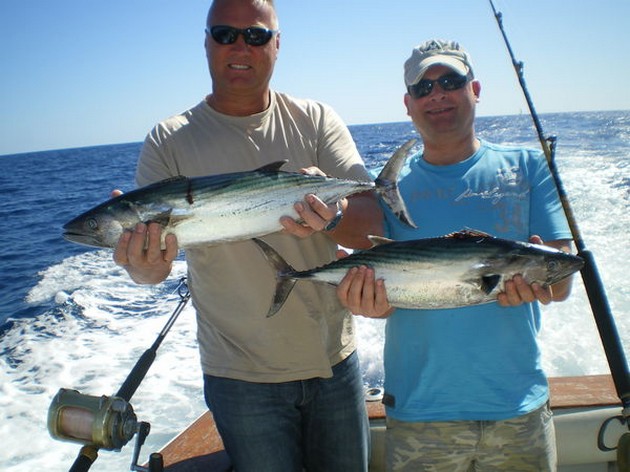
pixel 78 73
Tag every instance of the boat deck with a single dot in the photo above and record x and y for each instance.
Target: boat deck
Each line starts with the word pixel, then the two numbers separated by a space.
pixel 199 447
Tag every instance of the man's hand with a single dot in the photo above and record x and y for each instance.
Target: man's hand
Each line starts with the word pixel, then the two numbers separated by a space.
pixel 139 252
pixel 360 293
pixel 313 212
pixel 517 291
pixel 362 216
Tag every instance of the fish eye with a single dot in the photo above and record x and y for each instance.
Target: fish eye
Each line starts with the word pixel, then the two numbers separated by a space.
pixel 553 265
pixel 92 224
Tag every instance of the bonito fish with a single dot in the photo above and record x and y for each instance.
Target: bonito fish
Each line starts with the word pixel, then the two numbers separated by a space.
pixel 226 207
pixel 460 269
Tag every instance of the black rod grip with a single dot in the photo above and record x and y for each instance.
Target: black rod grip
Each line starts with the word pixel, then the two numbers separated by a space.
pixel 85 459
pixel 137 374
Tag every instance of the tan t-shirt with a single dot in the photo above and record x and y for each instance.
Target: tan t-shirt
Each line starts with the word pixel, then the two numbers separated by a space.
pixel 232 284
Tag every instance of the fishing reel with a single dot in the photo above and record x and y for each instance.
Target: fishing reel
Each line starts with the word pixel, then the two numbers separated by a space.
pixel 104 422
pixel 98 423
pixel 109 422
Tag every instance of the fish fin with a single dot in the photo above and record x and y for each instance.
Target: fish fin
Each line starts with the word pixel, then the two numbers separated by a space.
pixel 283 290
pixel 467 233
pixel 163 218
pixel 378 240
pixel 154 186
pixel 489 283
pixel 387 183
pixel 175 178
pixel 284 285
pixel 273 167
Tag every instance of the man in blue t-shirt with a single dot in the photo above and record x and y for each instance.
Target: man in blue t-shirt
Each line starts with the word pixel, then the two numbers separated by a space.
pixel 464 388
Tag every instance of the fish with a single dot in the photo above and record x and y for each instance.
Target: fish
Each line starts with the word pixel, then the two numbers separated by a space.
pixel 222 208
pixel 464 268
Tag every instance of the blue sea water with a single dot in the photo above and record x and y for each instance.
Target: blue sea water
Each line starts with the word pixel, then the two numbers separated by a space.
pixel 70 318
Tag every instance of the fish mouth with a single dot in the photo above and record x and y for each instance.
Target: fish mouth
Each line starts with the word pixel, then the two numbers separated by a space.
pixel 73 231
pixel 80 238
pixel 572 264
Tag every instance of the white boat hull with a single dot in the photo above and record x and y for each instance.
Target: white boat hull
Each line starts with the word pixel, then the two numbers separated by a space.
pixel 576 438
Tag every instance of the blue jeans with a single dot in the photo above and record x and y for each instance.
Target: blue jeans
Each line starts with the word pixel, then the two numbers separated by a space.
pixel 315 424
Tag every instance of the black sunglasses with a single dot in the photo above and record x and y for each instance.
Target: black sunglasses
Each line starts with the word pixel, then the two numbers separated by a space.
pixel 254 35
pixel 447 83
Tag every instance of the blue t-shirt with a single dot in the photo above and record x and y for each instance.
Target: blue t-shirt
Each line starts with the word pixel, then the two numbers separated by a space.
pixel 480 362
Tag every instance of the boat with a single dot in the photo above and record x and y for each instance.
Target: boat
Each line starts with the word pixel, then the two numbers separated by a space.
pixel 582 407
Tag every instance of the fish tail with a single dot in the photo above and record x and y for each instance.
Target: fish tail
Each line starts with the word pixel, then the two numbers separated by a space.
pixel 386 184
pixel 284 285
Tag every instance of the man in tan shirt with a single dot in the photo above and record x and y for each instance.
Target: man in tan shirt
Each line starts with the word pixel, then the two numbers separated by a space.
pixel 286 392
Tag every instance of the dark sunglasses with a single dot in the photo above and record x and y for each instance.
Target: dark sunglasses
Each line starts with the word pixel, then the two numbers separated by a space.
pixel 254 35
pixel 447 83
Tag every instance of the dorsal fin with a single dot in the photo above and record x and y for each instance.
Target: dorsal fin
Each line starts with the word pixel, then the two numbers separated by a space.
pixel 378 240
pixel 273 166
pixel 154 185
pixel 468 233
pixel 173 179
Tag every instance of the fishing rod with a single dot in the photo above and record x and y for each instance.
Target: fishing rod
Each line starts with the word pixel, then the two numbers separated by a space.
pixel 590 274
pixel 109 422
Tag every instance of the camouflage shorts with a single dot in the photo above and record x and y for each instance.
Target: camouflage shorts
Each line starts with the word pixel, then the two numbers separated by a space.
pixel 526 443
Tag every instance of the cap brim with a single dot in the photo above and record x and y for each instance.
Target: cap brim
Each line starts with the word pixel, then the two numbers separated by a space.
pixel 450 62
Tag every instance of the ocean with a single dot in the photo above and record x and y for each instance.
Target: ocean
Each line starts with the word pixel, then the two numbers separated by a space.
pixel 70 318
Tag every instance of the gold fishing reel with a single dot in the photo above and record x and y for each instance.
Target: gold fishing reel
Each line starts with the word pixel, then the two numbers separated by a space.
pixel 103 422
pixel 109 422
